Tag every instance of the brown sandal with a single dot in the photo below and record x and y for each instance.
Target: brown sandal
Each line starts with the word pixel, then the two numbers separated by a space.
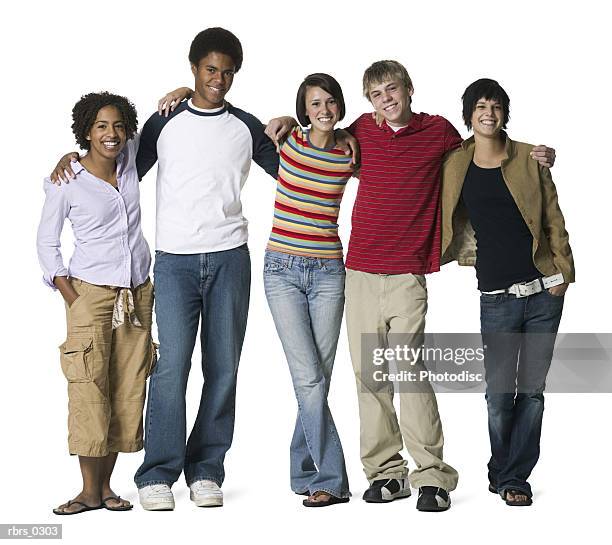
pixel 323 503
pixel 84 508
pixel 515 502
pixel 118 507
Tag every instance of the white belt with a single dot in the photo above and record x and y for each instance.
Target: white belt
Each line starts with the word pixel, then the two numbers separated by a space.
pixel 524 289
pixel 124 302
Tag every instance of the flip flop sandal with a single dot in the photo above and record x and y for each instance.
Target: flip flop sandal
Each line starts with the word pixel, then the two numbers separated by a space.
pixel 85 507
pixel 516 503
pixel 118 507
pixel 331 501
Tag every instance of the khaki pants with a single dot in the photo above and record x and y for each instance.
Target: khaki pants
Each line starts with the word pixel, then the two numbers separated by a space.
pixel 106 370
pixel 381 305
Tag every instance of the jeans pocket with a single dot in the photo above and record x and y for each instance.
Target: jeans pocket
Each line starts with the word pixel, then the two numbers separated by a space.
pixel 555 297
pixel 274 265
pixel 76 359
pixel 334 266
pixel 491 298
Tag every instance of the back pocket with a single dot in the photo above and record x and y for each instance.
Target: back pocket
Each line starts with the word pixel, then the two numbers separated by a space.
pixel 76 359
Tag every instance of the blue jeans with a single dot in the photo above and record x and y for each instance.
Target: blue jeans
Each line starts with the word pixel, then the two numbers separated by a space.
pixel 306 298
pixel 215 288
pixel 519 335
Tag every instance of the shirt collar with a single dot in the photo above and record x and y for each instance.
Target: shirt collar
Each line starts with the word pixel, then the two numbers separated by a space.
pixel 469 144
pixel 201 111
pixel 415 124
pixel 77 167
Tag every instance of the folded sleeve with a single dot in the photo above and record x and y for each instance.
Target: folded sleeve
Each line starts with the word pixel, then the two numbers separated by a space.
pixel 55 211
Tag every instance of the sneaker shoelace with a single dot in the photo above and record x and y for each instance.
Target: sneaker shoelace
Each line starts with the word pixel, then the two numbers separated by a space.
pixel 206 485
pixel 159 489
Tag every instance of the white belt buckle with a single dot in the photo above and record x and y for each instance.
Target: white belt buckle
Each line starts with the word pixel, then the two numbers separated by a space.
pixel 528 288
pixel 522 290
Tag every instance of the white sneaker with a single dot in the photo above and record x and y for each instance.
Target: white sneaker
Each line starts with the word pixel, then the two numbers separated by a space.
pixel 156 497
pixel 206 494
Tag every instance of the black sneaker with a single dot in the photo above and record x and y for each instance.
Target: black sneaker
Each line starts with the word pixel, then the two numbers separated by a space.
pixel 387 490
pixel 432 498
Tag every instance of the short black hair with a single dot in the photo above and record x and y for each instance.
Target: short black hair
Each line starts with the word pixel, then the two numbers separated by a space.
pixel 325 82
pixel 488 89
pixel 85 111
pixel 216 40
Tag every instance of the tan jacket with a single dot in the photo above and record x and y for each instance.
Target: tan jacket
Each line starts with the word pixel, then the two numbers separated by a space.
pixel 535 195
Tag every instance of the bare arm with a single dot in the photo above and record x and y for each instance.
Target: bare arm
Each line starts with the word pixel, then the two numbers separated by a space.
pixel 65 288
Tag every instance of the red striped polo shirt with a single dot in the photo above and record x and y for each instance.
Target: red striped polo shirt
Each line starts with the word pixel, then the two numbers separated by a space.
pixel 396 217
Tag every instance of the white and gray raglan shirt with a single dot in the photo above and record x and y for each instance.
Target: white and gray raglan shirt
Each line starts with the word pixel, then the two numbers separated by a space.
pixel 204 159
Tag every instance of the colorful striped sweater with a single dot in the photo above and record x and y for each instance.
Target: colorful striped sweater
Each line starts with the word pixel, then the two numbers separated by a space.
pixel 310 186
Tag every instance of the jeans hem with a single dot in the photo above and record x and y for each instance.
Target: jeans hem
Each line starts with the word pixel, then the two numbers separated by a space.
pixel 215 480
pixel 151 483
pixel 330 491
pixel 502 489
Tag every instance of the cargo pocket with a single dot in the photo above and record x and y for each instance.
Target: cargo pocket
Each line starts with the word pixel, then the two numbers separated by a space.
pixel 152 358
pixel 76 359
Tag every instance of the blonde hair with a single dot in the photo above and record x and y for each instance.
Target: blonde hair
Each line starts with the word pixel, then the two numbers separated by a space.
pixel 383 71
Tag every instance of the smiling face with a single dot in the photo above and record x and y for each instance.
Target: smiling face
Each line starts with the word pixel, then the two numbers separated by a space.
pixel 322 109
pixel 391 99
pixel 107 134
pixel 487 118
pixel 214 76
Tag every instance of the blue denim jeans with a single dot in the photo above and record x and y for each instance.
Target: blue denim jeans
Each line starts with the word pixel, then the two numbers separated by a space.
pixel 306 298
pixel 519 335
pixel 214 288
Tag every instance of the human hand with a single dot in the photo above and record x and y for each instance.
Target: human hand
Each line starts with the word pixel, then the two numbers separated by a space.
pixel 171 100
pixel 558 291
pixel 378 118
pixel 544 155
pixel 278 128
pixel 63 171
pixel 348 143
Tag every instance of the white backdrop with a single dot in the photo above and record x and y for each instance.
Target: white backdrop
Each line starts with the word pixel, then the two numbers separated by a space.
pixel 551 59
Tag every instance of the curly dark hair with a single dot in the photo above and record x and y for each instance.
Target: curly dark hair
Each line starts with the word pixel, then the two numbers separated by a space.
pixel 216 40
pixel 85 111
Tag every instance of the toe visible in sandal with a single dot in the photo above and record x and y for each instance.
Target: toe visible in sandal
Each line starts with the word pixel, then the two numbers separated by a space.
pixel 119 507
pixel 331 500
pixel 516 502
pixel 83 508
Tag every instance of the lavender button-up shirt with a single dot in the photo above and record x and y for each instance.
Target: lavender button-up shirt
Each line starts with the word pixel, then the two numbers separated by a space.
pixel 110 249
